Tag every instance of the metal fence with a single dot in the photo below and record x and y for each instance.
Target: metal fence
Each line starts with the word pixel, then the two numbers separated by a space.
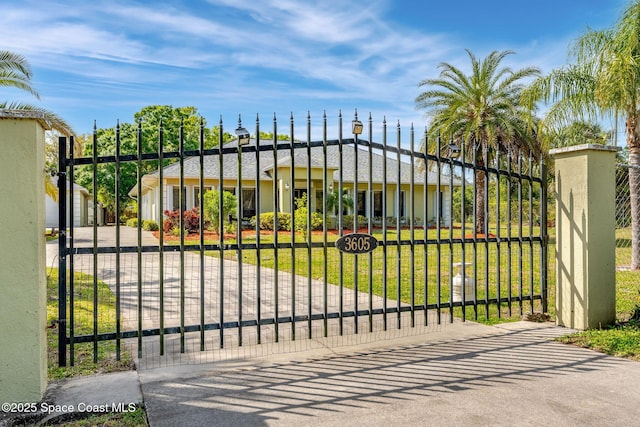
pixel 342 237
pixel 623 216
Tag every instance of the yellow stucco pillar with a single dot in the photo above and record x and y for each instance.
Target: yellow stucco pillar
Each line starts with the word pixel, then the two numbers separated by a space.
pixel 585 236
pixel 23 352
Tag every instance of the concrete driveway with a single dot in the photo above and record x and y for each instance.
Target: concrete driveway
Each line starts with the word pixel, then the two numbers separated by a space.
pixel 229 300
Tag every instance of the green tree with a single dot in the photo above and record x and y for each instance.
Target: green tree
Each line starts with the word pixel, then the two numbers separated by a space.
pixel 603 79
pixel 146 125
pixel 579 132
pixel 15 71
pixel 483 109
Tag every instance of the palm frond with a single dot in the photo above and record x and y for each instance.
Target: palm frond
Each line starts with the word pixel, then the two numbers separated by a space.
pixel 57 123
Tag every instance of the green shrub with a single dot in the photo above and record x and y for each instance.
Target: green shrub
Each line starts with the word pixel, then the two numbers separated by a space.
pixel 150 225
pixel 132 222
pixel 300 219
pixel 266 221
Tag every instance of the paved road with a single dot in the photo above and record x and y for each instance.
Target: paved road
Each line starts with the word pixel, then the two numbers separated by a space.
pixel 469 375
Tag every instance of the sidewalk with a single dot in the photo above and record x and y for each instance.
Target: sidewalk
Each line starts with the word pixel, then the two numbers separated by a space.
pixel 469 374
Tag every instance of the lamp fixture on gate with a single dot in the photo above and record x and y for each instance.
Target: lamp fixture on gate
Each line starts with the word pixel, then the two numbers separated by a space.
pixel 356 126
pixel 454 150
pixel 243 135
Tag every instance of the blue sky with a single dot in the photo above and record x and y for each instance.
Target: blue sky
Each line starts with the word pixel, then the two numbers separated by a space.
pixel 105 60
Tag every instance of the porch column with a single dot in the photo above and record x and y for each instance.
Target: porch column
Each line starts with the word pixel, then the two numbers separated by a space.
pixel 23 353
pixel 585 236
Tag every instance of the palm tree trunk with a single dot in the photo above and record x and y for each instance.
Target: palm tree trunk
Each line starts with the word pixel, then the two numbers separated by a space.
pixel 481 199
pixel 633 142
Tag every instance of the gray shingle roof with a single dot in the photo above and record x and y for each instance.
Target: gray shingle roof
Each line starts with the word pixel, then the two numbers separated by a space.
pixel 211 165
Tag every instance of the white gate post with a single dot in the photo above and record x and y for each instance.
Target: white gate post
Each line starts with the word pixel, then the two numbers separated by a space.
pixel 23 311
pixel 585 235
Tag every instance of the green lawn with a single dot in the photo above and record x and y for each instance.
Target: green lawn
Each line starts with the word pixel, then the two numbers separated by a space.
pixel 411 273
pixel 83 353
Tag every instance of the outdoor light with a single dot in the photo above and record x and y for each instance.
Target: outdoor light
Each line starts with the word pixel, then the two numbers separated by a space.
pixel 286 186
pixel 357 127
pixel 243 136
pixel 454 151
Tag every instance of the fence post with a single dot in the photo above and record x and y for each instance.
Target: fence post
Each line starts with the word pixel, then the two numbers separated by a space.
pixel 23 352
pixel 585 236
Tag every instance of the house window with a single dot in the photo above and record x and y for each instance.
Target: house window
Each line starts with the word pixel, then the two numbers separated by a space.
pixel 176 198
pixel 248 202
pixel 377 203
pixel 231 190
pixel 362 203
pixel 402 200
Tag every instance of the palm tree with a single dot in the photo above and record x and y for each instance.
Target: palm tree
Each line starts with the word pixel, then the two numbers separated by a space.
pixel 15 71
pixel 603 80
pixel 483 109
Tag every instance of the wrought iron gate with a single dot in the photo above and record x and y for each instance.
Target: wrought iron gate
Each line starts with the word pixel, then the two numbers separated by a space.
pixel 270 269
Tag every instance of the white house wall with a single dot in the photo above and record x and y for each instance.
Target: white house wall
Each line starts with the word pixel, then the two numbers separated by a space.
pixel 80 214
pixel 151 210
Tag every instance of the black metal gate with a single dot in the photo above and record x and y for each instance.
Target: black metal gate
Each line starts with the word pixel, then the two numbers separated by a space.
pixel 264 241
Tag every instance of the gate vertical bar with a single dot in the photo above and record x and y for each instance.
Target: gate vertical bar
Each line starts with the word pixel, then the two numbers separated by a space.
pixel 276 229
pixel 370 222
pixel 161 234
pixel 340 230
pixel 309 243
pixel 62 251
pixel 201 230
pixel 412 216
pixel 398 231
pixel 439 210
pixel 475 235
pixel 325 266
pixel 425 255
pixel 498 230
pixel 258 253
pixel 355 227
pixel 451 246
pixel 70 258
pixel 118 207
pixel 531 259
pixel 239 207
pixel 221 231
pixel 182 208
pixel 139 234
pixel 463 237
pixel 543 236
pixel 509 230
pixel 385 242
pixel 520 253
pixel 95 246
pixel 292 188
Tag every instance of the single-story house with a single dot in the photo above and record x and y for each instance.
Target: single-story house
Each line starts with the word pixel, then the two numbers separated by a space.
pixel 279 175
pixel 81 200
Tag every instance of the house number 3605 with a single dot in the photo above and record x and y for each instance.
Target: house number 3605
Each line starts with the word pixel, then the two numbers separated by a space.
pixel 357 243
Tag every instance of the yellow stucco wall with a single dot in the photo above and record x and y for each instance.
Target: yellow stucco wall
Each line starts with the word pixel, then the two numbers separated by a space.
pixel 585 236
pixel 23 362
